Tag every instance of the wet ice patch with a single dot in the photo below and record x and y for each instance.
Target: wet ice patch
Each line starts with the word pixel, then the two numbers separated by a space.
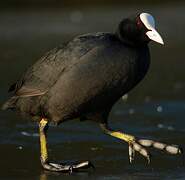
pixel 20 147
pixel 131 111
pixel 125 97
pixel 94 148
pixel 24 133
pixel 159 109
pixel 162 126
pixel 170 128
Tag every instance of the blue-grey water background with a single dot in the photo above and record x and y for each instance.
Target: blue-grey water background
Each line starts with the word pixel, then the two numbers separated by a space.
pixel 155 109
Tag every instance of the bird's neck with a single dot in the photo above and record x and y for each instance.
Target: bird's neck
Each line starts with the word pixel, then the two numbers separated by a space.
pixel 128 41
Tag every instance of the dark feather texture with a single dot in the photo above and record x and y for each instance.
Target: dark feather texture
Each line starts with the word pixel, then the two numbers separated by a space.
pixel 83 78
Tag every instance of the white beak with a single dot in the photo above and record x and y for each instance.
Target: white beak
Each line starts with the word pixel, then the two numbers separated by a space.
pixel 149 23
pixel 155 36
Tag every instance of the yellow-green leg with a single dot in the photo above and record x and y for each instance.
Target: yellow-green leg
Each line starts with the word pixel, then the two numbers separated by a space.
pixel 139 144
pixel 43 141
pixel 43 126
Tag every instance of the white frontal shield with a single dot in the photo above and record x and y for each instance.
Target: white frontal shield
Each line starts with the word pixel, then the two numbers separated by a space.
pixel 149 23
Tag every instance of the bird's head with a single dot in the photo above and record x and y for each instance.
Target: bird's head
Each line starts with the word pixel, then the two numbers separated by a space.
pixel 139 30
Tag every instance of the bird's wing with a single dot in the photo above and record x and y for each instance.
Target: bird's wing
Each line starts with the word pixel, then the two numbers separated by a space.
pixel 99 76
pixel 45 72
pixel 33 83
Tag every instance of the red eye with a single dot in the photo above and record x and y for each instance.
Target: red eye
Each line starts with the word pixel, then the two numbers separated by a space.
pixel 139 23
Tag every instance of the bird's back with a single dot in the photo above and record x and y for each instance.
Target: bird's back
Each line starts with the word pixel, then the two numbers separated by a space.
pixel 44 73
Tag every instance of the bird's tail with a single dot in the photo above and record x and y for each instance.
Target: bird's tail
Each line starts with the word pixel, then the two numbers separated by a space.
pixel 10 103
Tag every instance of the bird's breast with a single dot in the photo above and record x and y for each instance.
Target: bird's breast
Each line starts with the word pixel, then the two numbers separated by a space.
pixel 133 67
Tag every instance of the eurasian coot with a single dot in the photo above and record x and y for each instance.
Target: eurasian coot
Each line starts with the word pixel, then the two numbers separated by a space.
pixel 84 78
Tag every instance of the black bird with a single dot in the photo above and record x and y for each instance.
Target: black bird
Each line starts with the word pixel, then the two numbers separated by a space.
pixel 84 78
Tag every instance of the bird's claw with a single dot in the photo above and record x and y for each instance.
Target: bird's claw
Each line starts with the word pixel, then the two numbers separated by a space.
pixel 131 152
pixel 139 146
pixel 66 168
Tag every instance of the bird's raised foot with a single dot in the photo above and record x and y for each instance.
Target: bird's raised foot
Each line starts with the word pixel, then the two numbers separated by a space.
pixel 139 146
pixel 50 166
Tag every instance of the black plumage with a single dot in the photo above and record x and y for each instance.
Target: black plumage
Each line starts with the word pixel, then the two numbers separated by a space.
pixel 82 79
